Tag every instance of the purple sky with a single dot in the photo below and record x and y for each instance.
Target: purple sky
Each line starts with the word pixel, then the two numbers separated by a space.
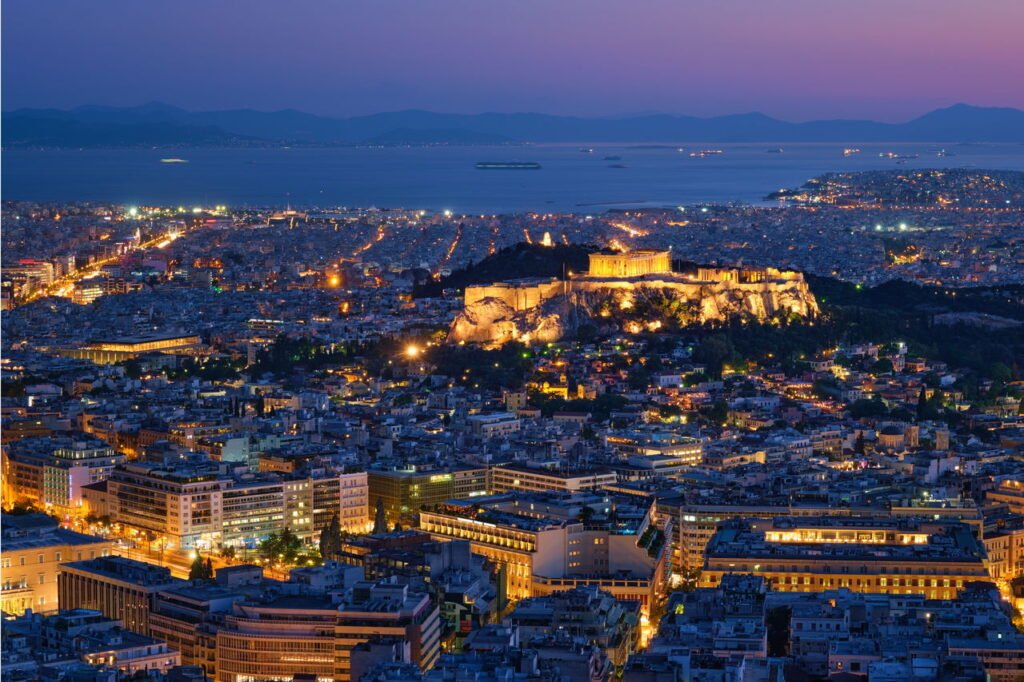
pixel 796 59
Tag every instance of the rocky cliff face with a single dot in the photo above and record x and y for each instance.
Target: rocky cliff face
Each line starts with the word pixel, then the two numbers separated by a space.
pixel 492 322
pixel 633 307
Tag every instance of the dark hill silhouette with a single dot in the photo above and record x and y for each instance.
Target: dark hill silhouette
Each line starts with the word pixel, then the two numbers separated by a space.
pixel 157 123
pixel 513 262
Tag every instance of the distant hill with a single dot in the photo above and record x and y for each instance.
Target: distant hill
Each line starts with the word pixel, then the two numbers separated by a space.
pixel 424 136
pixel 161 124
pixel 42 130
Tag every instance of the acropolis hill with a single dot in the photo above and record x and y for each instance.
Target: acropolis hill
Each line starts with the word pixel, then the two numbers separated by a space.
pixel 635 290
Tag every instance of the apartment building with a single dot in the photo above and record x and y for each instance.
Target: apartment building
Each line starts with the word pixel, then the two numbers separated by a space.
pixel 290 635
pixel 548 543
pixel 51 471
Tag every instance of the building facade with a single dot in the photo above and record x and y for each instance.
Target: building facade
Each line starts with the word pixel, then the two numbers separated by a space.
pixel 33 551
pixel 889 556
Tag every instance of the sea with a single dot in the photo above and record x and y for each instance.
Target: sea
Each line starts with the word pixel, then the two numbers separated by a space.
pixel 581 178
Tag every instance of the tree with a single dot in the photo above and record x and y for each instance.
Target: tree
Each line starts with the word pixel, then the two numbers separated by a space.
pixel 863 407
pixel 200 570
pixel 330 539
pixel 587 433
pixel 639 377
pixel 380 521
pixel 999 371
pixel 714 351
pixel 718 412
pixel 883 366
pixel 285 547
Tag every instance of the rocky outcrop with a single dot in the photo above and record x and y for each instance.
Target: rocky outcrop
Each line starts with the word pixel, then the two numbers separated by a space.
pixel 632 305
pixel 492 322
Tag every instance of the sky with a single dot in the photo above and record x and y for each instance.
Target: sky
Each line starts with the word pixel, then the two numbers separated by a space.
pixel 795 59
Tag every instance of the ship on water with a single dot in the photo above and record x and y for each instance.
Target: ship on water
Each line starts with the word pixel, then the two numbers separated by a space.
pixel 508 165
pixel 174 160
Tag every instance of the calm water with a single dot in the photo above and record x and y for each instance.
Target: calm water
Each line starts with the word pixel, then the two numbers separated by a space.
pixel 445 178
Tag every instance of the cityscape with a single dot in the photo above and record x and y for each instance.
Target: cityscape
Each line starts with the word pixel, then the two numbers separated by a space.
pixel 265 437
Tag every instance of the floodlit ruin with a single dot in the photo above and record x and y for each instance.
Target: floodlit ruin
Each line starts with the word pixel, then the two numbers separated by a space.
pixel 545 309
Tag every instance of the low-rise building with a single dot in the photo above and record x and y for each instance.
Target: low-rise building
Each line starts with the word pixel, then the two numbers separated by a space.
pixel 34 644
pixel 119 588
pixel 891 556
pixel 33 550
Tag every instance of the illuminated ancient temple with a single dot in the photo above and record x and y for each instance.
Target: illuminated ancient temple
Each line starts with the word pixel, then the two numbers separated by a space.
pixel 630 264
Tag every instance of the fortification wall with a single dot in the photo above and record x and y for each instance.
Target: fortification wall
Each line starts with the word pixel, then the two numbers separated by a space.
pixel 517 296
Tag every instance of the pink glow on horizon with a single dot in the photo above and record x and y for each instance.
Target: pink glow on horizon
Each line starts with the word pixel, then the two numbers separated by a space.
pixel 796 59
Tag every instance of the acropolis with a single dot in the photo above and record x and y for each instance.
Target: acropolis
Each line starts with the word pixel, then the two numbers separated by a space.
pixel 543 309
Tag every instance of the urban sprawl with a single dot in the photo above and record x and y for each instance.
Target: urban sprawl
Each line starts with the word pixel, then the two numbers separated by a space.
pixel 693 443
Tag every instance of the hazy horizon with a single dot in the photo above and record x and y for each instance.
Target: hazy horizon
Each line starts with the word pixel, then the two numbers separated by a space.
pixel 795 60
pixel 480 112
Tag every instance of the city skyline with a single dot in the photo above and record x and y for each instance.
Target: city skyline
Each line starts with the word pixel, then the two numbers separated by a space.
pixel 794 60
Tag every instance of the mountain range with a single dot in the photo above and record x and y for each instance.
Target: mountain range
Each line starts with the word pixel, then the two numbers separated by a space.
pixel 158 124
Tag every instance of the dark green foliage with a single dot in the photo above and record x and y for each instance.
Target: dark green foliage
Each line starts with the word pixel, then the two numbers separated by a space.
pixel 330 539
pixel 201 570
pixel 600 408
pixel 718 413
pixel 505 367
pixel 512 262
pixel 883 366
pixel 380 519
pixel 285 353
pixel 286 547
pixel 868 408
pixel 209 370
